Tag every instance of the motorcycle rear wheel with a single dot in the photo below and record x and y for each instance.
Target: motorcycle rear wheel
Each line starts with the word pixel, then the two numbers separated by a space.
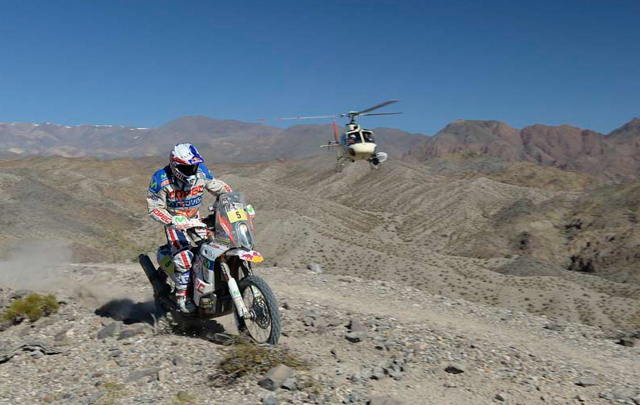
pixel 258 297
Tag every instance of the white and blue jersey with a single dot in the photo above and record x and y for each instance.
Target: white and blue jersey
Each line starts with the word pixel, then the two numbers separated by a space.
pixel 166 197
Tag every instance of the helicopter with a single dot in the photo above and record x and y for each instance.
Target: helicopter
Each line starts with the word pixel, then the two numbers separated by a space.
pixel 355 143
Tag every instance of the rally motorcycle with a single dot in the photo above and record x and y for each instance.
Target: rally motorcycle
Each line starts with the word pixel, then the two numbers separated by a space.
pixel 222 281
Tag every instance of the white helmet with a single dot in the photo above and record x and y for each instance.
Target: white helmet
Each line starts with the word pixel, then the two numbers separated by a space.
pixel 184 161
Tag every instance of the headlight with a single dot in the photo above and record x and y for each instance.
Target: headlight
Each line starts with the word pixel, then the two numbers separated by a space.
pixel 245 236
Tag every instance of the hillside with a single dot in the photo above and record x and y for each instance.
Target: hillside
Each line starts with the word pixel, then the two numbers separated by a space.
pixel 613 156
pixel 446 233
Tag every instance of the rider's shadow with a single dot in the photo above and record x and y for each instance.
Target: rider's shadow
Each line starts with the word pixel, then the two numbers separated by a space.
pixel 129 312
pixel 210 330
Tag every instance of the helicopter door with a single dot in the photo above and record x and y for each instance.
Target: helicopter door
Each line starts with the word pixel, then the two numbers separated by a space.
pixel 368 137
pixel 353 139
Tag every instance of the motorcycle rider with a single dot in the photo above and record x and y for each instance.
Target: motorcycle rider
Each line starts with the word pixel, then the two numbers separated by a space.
pixel 175 193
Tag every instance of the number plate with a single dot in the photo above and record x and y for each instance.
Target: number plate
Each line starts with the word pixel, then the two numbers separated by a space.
pixel 237 215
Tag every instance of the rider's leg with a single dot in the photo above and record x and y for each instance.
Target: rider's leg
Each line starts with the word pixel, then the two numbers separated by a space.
pixel 182 258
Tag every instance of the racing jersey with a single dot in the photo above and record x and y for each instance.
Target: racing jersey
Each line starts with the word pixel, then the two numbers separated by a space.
pixel 166 198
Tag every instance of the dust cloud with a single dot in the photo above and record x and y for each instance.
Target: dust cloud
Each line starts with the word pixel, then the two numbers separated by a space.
pixel 36 265
pixel 45 267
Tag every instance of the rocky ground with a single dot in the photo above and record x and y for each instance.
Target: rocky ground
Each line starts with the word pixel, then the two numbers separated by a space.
pixel 363 342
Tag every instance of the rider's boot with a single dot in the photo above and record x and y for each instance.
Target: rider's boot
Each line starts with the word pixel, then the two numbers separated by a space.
pixel 185 304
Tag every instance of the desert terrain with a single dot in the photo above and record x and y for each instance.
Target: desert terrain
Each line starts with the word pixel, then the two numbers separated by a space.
pixel 413 347
pixel 523 275
pixel 562 249
pixel 483 250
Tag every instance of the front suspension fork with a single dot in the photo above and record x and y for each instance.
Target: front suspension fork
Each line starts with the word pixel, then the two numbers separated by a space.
pixel 242 310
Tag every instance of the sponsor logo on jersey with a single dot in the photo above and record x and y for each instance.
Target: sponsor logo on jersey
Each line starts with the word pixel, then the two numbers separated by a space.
pixel 181 194
pixel 192 202
pixel 161 215
pixel 180 219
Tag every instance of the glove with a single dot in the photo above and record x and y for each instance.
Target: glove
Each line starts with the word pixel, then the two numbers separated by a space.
pixel 181 223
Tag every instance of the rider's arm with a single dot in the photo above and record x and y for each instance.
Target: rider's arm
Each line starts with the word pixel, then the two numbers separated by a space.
pixel 157 204
pixel 215 187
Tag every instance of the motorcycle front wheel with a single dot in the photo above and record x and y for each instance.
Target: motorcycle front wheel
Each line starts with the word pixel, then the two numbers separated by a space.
pixel 263 325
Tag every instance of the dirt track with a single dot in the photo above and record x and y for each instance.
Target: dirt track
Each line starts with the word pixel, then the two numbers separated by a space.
pixel 502 352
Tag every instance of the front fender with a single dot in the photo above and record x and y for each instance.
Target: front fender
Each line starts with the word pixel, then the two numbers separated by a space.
pixel 248 255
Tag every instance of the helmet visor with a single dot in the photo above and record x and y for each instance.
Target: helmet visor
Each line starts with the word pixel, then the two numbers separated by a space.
pixel 187 170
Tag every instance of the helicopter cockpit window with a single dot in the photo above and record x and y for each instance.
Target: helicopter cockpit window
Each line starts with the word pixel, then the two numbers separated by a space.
pixel 368 136
pixel 354 137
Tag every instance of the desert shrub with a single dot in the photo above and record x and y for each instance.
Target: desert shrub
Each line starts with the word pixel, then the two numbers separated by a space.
pixel 34 307
pixel 113 393
pixel 310 384
pixel 184 398
pixel 246 358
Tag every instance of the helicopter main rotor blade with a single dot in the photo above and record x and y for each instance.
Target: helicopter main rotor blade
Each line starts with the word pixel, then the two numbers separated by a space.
pixel 389 113
pixel 306 118
pixel 375 107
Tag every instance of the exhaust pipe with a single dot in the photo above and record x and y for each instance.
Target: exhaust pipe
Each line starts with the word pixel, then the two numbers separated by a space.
pixel 151 273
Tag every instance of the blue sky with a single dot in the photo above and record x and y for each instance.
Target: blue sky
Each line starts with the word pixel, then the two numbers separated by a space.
pixel 143 63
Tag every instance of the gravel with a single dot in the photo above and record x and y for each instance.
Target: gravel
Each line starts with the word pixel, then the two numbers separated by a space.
pixel 442 351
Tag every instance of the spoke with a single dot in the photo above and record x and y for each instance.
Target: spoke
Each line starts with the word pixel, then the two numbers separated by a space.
pixel 260 327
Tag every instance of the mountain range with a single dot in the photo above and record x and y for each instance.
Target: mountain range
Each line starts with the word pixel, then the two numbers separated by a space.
pixel 222 140
pixel 566 147
pixel 613 155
